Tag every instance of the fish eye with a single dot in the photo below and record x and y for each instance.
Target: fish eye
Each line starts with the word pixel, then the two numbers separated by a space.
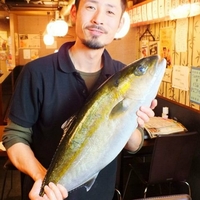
pixel 140 70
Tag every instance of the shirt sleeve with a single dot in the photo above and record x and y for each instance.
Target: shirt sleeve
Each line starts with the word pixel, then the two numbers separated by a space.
pixel 25 102
pixel 142 141
pixel 14 133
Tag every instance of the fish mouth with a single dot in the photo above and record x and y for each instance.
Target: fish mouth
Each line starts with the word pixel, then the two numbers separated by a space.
pixel 158 65
pixel 161 62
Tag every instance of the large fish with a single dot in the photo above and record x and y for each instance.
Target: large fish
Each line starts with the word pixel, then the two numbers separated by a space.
pixel 97 134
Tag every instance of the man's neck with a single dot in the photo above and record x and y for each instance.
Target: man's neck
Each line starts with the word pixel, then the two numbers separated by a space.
pixel 85 59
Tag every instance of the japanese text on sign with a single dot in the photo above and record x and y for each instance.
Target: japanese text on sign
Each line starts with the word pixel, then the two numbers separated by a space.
pixel 195 85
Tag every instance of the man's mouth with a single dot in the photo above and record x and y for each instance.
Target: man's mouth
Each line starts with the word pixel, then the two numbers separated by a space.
pixel 96 29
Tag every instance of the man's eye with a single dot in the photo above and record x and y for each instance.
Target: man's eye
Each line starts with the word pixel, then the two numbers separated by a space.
pixel 90 7
pixel 111 12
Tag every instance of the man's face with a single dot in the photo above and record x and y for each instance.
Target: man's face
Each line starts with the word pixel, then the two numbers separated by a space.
pixel 97 21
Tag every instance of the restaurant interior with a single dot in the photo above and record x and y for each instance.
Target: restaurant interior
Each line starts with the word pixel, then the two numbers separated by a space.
pixel 30 29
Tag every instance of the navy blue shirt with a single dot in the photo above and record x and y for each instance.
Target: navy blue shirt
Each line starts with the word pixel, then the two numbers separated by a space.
pixel 48 92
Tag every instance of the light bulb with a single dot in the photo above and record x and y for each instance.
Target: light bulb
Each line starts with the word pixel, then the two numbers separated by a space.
pixel 48 39
pixel 50 28
pixel 57 27
pixel 60 27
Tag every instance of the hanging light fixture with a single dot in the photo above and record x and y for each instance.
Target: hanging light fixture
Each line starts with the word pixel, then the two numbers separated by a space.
pixel 60 27
pixel 50 27
pixel 126 26
pixel 57 27
pixel 48 39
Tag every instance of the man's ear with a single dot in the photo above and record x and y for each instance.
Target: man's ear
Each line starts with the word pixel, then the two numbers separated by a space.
pixel 124 26
pixel 73 13
pixel 122 21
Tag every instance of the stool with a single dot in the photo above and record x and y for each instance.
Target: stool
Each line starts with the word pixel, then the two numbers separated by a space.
pixel 8 166
pixel 117 194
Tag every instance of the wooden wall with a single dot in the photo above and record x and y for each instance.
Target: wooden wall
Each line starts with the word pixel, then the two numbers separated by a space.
pixel 129 50
pixel 37 25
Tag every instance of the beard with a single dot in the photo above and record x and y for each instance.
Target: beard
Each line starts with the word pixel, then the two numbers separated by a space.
pixel 93 43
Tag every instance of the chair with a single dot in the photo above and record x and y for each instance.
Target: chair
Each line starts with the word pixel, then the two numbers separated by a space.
pixel 117 195
pixel 169 197
pixel 170 162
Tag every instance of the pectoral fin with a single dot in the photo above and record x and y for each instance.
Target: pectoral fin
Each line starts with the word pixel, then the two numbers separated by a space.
pixel 119 108
pixel 90 183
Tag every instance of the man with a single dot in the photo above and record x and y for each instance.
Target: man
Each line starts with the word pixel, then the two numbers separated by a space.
pixel 53 88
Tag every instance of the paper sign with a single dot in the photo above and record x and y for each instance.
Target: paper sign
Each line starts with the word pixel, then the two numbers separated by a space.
pixel 168 75
pixel 149 11
pixel 181 35
pixel 139 13
pixel 134 16
pixel 195 85
pixel 161 8
pixel 29 40
pixel 26 53
pixel 144 12
pixel 167 7
pixel 180 77
pixel 155 9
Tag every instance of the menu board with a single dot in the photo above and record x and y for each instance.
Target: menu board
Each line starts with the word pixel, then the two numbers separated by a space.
pixel 160 126
pixel 195 85
pixel 29 40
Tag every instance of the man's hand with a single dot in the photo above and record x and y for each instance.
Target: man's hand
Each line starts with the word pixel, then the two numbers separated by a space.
pixel 52 192
pixel 136 140
pixel 144 113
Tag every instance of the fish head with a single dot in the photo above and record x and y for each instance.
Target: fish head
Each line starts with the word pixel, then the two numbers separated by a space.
pixel 143 78
pixel 153 65
pixel 151 69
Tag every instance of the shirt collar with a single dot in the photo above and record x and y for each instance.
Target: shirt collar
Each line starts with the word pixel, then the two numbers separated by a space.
pixel 66 65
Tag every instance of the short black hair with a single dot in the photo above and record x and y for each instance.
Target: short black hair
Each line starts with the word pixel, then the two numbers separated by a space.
pixel 123 4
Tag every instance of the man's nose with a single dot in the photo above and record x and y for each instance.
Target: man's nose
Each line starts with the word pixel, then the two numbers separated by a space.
pixel 98 18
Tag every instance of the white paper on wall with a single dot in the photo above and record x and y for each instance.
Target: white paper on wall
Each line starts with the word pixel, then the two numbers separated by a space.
pixel 167 7
pixel 139 13
pixel 181 35
pixel 26 54
pixel 155 9
pixel 168 75
pixel 149 11
pixel 195 85
pixel 161 8
pixel 180 77
pixel 134 15
pixel 130 15
pixel 144 12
